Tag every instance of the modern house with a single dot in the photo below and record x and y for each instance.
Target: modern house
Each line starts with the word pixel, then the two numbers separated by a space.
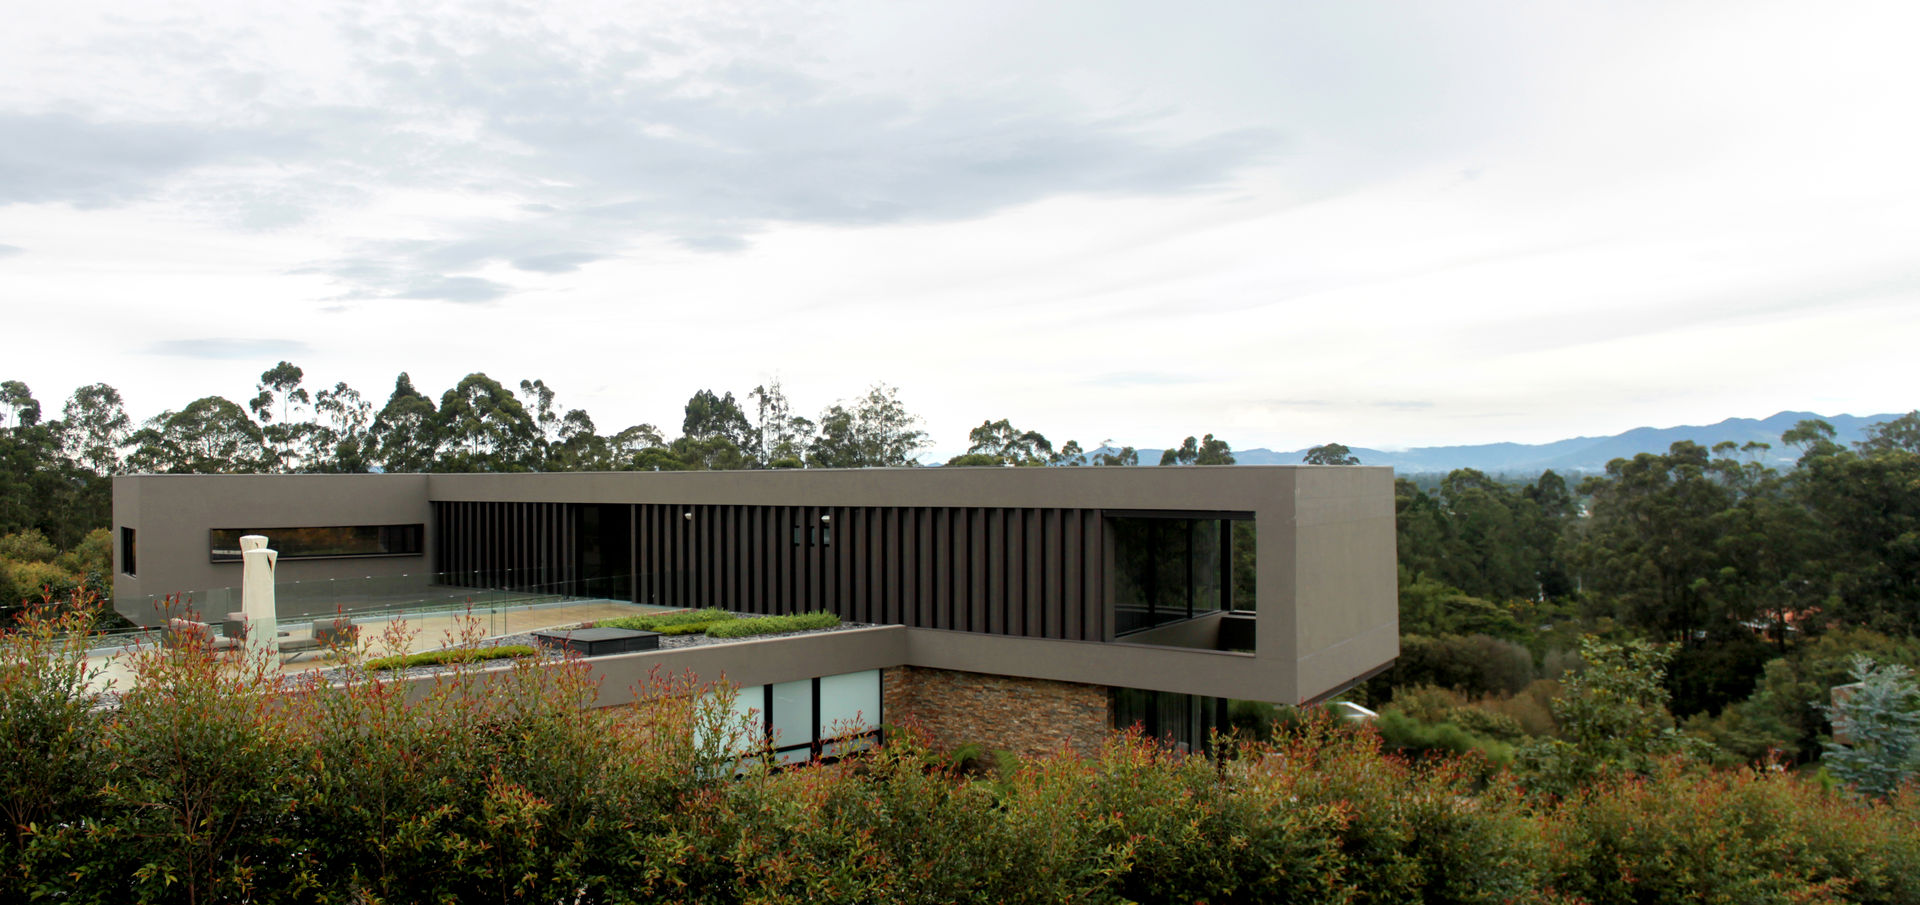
pixel 1022 608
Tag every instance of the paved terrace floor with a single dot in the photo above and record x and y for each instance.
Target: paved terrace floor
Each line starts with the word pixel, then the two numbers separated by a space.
pixel 426 633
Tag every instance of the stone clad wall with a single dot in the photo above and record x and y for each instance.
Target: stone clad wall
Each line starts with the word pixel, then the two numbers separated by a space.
pixel 1029 717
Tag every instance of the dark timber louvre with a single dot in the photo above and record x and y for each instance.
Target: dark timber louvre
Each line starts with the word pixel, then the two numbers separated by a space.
pixel 514 546
pixel 1034 572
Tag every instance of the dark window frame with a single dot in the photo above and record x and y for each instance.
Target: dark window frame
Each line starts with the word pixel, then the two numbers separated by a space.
pixel 403 539
pixel 1191 520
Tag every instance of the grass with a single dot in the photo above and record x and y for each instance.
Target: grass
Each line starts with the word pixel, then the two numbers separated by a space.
pixel 456 655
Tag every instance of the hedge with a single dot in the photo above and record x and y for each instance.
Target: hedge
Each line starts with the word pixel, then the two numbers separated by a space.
pixel 212 778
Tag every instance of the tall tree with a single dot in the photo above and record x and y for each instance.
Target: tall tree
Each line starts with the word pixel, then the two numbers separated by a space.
pixel 18 408
pixel 211 435
pixel 341 443
pixel 1902 434
pixel 38 485
pixel 626 449
pixel 1108 454
pixel 715 417
pixel 485 428
pixel 1331 454
pixel 284 435
pixel 538 399
pixel 1008 445
pixel 95 427
pixel 1866 515
pixel 781 435
pixel 1208 451
pixel 875 431
pixel 405 436
pixel 1651 538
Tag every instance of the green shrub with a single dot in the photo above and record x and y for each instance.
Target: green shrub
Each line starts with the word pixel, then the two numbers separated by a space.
pixel 1682 834
pixel 691 628
pixel 663 621
pixel 51 756
pixel 1404 732
pixel 767 625
pixel 452 655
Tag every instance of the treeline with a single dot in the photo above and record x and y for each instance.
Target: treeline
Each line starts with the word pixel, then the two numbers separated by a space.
pixel 214 779
pixel 55 472
pixel 1764 583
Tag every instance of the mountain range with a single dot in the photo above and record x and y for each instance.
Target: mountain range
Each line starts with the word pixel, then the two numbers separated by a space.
pixel 1579 454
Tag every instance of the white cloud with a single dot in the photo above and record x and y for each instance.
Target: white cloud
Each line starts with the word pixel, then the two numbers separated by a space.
pixel 1281 223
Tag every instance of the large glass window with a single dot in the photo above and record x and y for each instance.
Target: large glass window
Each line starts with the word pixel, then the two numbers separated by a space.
pixel 793 720
pixel 825 717
pixel 1169 568
pixel 1184 721
pixel 320 543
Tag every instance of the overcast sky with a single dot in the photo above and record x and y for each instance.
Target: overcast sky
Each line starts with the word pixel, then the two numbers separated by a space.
pixel 1386 224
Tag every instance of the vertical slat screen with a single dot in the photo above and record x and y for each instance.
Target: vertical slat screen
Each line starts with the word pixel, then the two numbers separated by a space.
pixel 1033 572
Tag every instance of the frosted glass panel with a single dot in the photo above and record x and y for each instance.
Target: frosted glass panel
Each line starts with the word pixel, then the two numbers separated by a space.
pixel 849 703
pixel 793 713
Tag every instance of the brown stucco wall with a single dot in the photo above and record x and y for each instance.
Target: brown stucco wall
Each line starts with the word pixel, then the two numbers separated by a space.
pixel 174 513
pixel 1029 717
pixel 1325 586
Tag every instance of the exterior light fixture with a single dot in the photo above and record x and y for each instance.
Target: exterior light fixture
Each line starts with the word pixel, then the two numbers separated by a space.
pixel 688 515
pixel 828 518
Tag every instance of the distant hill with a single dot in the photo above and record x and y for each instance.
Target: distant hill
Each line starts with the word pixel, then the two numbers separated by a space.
pixel 1580 454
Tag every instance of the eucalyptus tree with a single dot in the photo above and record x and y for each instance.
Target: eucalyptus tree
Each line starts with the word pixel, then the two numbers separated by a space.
pixel 211 435
pixel 483 427
pixel 712 417
pixel 1009 445
pixel 94 428
pixel 1207 451
pixel 405 436
pixel 1330 454
pixel 781 435
pixel 342 442
pixel 874 431
pixel 287 436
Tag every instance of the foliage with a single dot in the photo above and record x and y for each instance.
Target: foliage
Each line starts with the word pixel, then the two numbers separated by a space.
pixel 768 625
pixel 1000 443
pixel 50 726
pixel 1207 451
pixel 452 655
pixel 1430 607
pixel 1331 454
pixel 1683 835
pixel 875 431
pixel 1880 719
pixel 211 435
pixel 1474 664
pixel 215 781
pixel 658 621
pixel 1612 717
pixel 1784 716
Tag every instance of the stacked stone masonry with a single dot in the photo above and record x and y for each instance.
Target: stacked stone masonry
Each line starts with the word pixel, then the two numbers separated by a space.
pixel 1029 717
